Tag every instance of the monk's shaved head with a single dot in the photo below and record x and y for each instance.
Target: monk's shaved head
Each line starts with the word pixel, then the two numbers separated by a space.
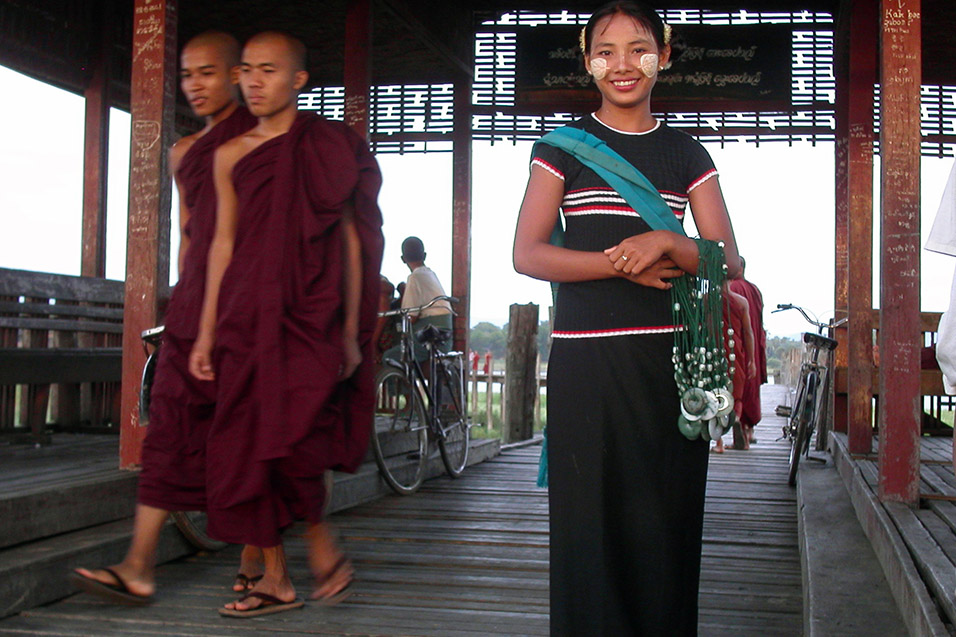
pixel 292 45
pixel 224 44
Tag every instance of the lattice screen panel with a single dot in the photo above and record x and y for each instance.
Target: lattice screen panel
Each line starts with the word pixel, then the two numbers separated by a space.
pixel 418 118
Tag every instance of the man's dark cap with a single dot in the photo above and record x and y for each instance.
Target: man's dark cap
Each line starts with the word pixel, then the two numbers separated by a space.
pixel 413 249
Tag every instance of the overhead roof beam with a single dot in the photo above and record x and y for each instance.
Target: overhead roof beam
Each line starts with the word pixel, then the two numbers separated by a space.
pixel 404 14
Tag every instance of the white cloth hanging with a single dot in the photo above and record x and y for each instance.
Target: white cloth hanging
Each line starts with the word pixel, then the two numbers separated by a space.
pixel 942 239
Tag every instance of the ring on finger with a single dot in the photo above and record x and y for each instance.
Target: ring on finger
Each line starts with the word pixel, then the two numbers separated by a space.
pixel 623 257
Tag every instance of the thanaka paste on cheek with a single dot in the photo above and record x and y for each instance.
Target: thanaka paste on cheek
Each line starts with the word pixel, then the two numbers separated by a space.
pixel 649 64
pixel 598 68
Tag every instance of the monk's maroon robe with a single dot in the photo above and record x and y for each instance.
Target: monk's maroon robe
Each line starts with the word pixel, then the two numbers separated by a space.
pixel 283 417
pixel 181 407
pixel 751 394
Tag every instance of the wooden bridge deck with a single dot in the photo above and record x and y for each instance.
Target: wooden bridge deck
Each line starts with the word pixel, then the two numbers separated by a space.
pixel 469 557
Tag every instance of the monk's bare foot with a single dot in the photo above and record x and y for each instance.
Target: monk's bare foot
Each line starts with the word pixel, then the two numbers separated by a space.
pixel 279 587
pixel 137 582
pixel 331 587
pixel 719 447
pixel 251 568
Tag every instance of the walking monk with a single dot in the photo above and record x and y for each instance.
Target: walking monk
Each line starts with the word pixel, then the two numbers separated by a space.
pixel 181 408
pixel 290 308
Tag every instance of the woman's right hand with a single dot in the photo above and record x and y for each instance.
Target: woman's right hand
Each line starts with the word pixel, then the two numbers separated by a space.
pixel 200 359
pixel 657 275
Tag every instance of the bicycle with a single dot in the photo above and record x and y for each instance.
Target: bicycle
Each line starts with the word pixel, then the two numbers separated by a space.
pixel 809 409
pixel 412 407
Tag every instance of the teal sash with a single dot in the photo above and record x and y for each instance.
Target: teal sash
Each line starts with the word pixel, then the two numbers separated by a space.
pixel 639 193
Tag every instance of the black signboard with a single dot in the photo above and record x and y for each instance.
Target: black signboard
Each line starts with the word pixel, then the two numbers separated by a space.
pixel 720 64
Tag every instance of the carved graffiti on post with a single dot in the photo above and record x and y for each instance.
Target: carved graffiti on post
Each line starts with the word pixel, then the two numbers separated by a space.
pixel 152 99
pixel 863 74
pixel 899 271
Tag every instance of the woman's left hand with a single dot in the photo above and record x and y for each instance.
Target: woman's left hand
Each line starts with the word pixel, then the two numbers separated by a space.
pixel 636 253
pixel 657 275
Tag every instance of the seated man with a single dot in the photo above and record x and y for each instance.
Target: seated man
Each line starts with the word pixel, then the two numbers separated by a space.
pixel 421 287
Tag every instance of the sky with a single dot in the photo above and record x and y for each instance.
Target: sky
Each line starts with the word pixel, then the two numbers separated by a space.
pixel 780 200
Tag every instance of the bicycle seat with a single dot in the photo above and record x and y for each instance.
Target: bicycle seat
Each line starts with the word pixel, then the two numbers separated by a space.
pixel 818 340
pixel 432 334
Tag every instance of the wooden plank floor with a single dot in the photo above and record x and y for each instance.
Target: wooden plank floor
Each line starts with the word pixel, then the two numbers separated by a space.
pixel 70 457
pixel 469 557
pixel 928 532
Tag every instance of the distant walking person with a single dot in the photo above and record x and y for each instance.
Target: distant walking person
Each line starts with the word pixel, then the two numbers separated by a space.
pixel 750 412
pixel 626 485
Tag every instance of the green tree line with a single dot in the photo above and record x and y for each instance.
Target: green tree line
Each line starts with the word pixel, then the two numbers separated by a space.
pixel 488 337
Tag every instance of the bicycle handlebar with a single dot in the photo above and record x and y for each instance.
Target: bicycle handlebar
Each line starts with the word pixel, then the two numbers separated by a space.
pixel 412 310
pixel 789 306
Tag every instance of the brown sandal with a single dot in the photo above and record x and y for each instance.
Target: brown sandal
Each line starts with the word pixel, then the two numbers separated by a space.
pixel 268 606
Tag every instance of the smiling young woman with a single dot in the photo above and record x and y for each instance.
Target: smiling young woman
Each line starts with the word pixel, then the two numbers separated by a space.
pixel 626 487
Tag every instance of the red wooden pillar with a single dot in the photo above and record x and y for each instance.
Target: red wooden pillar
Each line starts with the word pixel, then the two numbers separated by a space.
pixel 461 211
pixel 864 24
pixel 96 159
pixel 841 213
pixel 152 101
pixel 899 419
pixel 358 65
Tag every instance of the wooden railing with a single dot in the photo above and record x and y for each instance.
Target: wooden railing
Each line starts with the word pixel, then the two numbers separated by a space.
pixel 60 351
pixel 931 380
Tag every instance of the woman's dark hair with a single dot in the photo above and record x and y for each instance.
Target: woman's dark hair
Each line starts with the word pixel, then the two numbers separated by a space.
pixel 641 13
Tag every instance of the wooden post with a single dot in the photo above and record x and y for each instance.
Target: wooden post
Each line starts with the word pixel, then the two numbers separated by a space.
pixel 899 339
pixel 537 390
pixel 70 406
pixel 521 378
pixel 489 367
pixel 461 211
pixel 864 23
pixel 473 366
pixel 841 212
pixel 96 158
pixel 358 65
pixel 152 102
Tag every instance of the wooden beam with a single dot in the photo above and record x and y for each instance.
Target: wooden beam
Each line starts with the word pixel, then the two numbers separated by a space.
pixel 96 155
pixel 358 65
pixel 864 24
pixel 152 104
pixel 899 418
pixel 461 212
pixel 405 15
pixel 841 211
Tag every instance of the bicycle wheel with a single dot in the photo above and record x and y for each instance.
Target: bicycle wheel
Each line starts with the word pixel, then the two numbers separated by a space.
pixel 453 443
pixel 400 434
pixel 192 524
pixel 146 387
pixel 801 425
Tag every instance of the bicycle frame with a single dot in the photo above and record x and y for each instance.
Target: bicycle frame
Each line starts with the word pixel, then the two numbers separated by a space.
pixel 428 388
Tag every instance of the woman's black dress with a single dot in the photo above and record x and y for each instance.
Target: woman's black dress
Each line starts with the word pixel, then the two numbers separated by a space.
pixel 626 488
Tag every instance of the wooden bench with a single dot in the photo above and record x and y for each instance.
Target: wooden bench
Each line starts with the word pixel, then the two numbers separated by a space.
pixel 62 332
pixel 931 380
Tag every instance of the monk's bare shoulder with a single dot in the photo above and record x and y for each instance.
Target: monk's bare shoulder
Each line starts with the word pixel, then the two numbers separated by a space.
pixel 229 153
pixel 179 150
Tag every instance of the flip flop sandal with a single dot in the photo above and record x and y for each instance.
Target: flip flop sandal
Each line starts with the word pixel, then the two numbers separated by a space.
pixel 269 606
pixel 339 596
pixel 245 580
pixel 118 592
